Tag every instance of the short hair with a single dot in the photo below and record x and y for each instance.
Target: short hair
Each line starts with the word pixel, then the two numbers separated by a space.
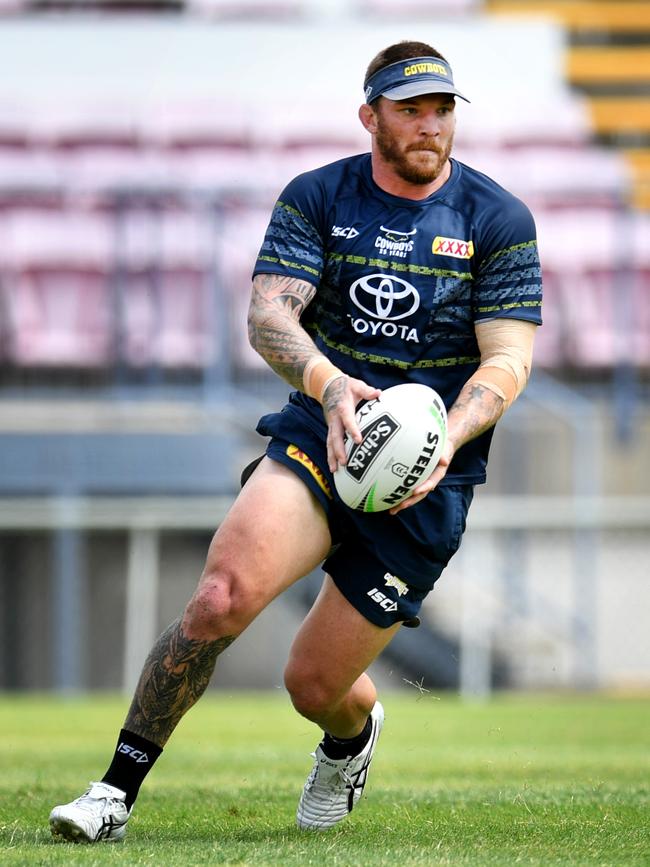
pixel 404 50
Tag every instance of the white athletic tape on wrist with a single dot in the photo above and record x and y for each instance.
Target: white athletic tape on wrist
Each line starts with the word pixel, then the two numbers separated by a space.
pixel 506 347
pixel 319 372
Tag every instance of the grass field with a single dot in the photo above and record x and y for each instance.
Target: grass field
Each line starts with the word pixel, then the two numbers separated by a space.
pixel 520 780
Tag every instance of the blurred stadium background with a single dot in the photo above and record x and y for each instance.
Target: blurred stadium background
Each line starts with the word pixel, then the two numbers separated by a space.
pixel 142 145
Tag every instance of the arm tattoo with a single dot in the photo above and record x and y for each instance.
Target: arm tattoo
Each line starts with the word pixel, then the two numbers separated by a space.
pixel 274 329
pixel 475 410
pixel 333 394
pixel 173 678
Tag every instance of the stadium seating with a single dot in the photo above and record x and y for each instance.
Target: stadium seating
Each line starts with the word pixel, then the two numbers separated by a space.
pixel 592 66
pixel 10 7
pixel 608 59
pixel 145 216
pixel 622 16
pixel 596 263
pixel 420 8
pixel 22 169
pixel 40 237
pixel 243 9
pixel 58 317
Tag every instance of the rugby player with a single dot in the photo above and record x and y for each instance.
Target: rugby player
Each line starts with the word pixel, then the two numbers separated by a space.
pixel 402 265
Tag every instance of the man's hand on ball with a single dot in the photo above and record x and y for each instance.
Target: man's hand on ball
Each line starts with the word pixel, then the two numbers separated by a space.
pixel 340 399
pixel 434 479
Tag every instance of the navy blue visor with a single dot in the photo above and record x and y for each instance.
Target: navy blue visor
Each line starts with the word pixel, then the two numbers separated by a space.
pixel 413 77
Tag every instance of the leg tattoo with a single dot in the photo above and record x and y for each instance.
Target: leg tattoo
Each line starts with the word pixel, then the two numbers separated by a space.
pixel 174 677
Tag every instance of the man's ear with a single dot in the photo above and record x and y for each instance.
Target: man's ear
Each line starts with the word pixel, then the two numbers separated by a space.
pixel 368 118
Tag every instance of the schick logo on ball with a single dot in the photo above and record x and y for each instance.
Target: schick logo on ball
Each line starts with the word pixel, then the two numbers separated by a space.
pixel 375 436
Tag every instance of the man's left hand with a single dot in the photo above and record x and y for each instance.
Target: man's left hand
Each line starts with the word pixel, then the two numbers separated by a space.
pixel 421 491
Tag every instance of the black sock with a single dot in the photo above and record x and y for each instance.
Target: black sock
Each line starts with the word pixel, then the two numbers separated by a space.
pixel 340 748
pixel 134 757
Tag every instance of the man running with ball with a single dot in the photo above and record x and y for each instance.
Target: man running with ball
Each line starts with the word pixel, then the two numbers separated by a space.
pixel 401 265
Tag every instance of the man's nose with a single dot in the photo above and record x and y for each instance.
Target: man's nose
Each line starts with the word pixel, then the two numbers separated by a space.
pixel 430 124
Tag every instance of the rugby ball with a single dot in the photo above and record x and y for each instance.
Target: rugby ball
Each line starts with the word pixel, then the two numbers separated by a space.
pixel 404 432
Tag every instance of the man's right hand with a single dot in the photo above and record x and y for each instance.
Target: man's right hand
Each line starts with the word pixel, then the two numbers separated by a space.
pixel 340 400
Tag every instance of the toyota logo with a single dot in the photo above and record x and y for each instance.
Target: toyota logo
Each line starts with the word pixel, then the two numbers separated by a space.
pixel 385 297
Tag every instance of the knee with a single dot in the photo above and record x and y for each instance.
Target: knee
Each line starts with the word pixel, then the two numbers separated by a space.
pixel 219 607
pixel 309 693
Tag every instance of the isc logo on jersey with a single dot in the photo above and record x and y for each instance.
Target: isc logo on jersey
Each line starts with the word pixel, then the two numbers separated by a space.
pixel 344 232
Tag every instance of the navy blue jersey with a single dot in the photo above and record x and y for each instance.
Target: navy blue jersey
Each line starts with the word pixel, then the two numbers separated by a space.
pixel 401 283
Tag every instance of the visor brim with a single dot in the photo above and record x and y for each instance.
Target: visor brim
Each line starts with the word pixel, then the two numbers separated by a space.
pixel 420 88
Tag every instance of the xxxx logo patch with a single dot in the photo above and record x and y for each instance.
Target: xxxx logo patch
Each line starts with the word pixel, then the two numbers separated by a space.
pixel 454 247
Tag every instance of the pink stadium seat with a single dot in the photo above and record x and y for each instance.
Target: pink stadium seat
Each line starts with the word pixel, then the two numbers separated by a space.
pixel 603 325
pixel 203 124
pixel 305 121
pixel 553 174
pixel 187 238
pixel 58 316
pixel 290 162
pixel 640 330
pixel 550 344
pixel 168 318
pixel 577 239
pixel 10 7
pixel 56 296
pixel 421 8
pixel 104 168
pixel 641 239
pixel 247 9
pixel 223 168
pixel 137 325
pixel 165 237
pixel 74 124
pixel 529 125
pixel 42 237
pixel 239 242
pixel 600 259
pixel 186 331
pixel 25 169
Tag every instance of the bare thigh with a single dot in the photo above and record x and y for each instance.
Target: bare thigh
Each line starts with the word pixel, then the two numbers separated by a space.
pixel 275 533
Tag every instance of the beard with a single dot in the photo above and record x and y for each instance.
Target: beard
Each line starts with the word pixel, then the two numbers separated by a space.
pixel 414 170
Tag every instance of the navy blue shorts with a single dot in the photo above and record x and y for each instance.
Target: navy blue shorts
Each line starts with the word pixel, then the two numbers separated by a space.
pixel 383 564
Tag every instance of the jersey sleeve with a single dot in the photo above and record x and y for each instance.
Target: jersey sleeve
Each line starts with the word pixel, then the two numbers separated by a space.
pixel 509 279
pixel 293 243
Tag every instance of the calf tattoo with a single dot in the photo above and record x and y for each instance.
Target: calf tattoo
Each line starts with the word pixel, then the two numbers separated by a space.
pixel 173 678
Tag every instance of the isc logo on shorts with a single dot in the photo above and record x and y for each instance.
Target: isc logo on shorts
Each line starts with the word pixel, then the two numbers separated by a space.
pixel 381 599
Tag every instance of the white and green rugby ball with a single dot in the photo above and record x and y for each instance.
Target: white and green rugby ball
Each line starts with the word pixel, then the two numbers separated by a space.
pixel 404 432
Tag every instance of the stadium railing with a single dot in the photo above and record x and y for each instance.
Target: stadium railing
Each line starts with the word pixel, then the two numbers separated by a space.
pixel 552 622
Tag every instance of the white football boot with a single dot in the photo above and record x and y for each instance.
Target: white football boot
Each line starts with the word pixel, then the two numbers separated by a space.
pixel 335 785
pixel 99 814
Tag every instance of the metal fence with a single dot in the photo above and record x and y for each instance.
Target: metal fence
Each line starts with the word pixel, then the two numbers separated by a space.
pixel 553 588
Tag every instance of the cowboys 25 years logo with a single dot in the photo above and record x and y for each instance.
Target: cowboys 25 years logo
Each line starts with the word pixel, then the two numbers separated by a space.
pixel 392 242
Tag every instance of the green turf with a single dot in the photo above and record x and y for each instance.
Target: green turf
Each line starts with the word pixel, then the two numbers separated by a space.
pixel 520 780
